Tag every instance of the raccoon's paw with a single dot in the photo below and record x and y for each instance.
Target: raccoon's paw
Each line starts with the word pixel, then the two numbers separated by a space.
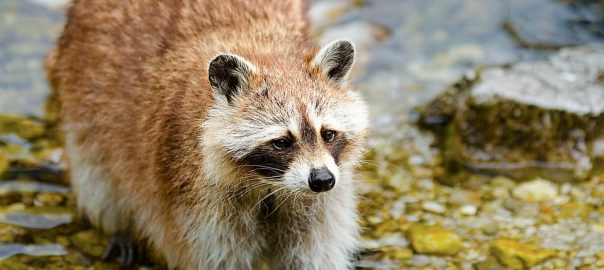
pixel 124 246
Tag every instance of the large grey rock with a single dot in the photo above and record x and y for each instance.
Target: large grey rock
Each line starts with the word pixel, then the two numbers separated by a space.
pixel 571 81
pixel 530 119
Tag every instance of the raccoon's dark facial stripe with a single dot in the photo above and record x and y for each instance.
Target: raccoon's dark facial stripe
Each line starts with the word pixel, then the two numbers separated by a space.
pixel 269 161
pixel 308 134
pixel 336 146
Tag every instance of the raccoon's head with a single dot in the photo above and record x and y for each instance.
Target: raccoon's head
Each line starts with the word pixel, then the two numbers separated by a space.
pixel 291 121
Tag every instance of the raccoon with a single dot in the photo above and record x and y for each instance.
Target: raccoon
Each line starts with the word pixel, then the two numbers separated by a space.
pixel 216 133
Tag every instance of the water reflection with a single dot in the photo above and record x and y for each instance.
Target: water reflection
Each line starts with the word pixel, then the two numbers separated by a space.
pixel 7 250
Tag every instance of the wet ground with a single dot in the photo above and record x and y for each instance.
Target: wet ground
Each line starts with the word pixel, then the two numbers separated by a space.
pixel 409 51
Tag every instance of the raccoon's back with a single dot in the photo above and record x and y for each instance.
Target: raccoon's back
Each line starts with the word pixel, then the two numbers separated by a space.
pixel 131 75
pixel 102 53
pixel 113 52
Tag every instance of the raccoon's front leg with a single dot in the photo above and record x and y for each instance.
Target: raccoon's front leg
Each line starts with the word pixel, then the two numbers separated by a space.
pixel 225 238
pixel 328 242
pixel 126 248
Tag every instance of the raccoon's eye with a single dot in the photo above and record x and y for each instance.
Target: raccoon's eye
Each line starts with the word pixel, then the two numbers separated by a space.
pixel 328 135
pixel 282 143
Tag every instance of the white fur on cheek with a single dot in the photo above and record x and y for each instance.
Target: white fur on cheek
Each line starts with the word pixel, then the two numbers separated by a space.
pixel 297 175
pixel 224 128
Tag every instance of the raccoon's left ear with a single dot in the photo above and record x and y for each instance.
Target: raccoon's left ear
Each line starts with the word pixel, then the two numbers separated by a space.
pixel 229 74
pixel 335 60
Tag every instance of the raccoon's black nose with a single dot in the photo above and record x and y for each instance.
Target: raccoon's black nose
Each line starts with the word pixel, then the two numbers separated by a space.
pixel 321 180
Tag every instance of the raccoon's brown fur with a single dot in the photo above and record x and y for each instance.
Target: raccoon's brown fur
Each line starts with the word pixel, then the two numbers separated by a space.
pixel 144 129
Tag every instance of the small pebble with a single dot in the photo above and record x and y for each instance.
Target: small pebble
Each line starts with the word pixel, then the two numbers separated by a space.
pixel 434 207
pixel 598 227
pixel 518 255
pixel 504 182
pixel 468 209
pixel 425 184
pixel 48 199
pixel 500 192
pixel 91 242
pixel 490 228
pixel 11 233
pixel 565 188
pixel 536 191
pixel 434 240
pixel 575 210
pixel 463 197
pixel 416 160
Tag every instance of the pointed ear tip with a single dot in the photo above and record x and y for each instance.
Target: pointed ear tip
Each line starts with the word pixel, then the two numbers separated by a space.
pixel 223 57
pixel 219 58
pixel 230 59
pixel 344 43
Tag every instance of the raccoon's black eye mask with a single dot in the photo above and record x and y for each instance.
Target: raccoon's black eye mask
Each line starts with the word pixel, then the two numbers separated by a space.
pixel 271 159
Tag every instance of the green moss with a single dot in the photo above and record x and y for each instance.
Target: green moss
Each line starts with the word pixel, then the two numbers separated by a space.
pixel 4 162
pixel 91 242
pixel 22 126
pixel 518 255
pixel 434 240
pixel 521 140
pixel 502 136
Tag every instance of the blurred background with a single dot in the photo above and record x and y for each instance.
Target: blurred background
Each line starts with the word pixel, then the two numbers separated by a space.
pixel 486 149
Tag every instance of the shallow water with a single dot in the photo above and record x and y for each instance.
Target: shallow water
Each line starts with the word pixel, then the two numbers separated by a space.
pixel 409 51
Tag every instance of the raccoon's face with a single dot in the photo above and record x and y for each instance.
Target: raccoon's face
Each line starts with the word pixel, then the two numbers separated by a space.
pixel 300 127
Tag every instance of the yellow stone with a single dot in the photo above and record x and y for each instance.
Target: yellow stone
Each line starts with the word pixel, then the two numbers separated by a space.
pixel 517 255
pixel 91 242
pixel 405 254
pixel 63 240
pixel 48 199
pixel 434 240
pixel 22 126
pixel 538 190
pixel 11 233
pixel 575 210
pixel 3 161
pixel 598 227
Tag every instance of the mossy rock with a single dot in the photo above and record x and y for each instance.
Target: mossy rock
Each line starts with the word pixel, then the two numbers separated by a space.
pixel 11 233
pixel 91 242
pixel 24 127
pixel 4 162
pixel 533 119
pixel 14 263
pixel 434 240
pixel 517 255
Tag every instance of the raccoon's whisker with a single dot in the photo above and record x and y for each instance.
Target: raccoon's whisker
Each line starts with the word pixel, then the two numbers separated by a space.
pixel 356 163
pixel 256 166
pixel 377 163
pixel 248 183
pixel 249 188
pixel 282 201
pixel 259 167
pixel 365 177
pixel 266 179
pixel 268 195
pixel 298 196
pixel 263 178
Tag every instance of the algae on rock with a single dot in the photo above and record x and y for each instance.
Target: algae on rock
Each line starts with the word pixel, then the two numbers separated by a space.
pixel 518 255
pixel 434 240
pixel 526 120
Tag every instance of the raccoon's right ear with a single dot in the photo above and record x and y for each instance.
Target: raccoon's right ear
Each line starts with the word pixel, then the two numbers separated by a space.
pixel 335 60
pixel 229 74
